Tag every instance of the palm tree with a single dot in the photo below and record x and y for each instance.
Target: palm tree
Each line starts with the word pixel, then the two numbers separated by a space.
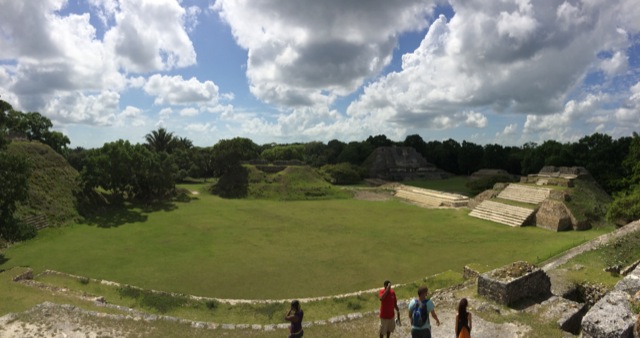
pixel 160 140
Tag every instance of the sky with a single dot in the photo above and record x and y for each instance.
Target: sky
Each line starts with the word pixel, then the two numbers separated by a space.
pixel 284 71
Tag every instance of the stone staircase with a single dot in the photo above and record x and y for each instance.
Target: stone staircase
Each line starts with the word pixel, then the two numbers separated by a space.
pixel 502 213
pixel 524 193
pixel 431 198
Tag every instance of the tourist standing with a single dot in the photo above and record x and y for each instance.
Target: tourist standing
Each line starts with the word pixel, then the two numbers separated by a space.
pixel 419 310
pixel 294 316
pixel 463 320
pixel 388 303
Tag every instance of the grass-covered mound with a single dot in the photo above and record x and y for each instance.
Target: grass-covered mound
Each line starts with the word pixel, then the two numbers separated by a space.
pixel 588 201
pixel 52 185
pixel 290 183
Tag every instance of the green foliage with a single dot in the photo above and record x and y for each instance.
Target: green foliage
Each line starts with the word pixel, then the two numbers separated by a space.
pixel 130 171
pixel 625 208
pixel 479 185
pixel 621 251
pixel 160 140
pixel 341 173
pixel 14 176
pixel 284 153
pixel 226 155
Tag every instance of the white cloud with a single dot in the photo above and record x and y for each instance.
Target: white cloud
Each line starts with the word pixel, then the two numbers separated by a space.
pixel 165 112
pixel 509 130
pixel 150 35
pixel 100 109
pixel 200 127
pixel 617 64
pixel 476 120
pixel 513 56
pixel 304 53
pixel 176 91
pixel 189 112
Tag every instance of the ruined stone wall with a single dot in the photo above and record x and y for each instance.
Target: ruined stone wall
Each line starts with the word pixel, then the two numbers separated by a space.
pixel 553 215
pixel 535 284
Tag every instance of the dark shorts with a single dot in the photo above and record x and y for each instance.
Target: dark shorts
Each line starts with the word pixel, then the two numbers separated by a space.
pixel 297 335
pixel 420 333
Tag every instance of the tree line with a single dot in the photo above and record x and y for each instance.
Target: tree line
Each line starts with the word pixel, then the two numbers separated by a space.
pixel 148 171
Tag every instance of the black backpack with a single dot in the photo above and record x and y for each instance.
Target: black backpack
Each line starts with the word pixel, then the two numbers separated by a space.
pixel 420 315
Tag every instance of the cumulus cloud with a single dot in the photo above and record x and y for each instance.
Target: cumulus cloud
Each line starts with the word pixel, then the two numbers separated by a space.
pixel 55 54
pixel 177 91
pixel 516 56
pixel 305 53
pixel 189 112
pixel 100 109
pixel 150 35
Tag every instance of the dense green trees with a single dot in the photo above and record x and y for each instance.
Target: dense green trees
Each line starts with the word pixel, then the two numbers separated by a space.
pixel 626 205
pixel 129 171
pixel 14 175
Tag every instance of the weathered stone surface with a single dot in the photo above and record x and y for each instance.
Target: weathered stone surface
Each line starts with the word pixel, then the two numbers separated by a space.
pixel 469 273
pixel 631 283
pixel 553 215
pixel 610 317
pixel 504 287
pixel 568 314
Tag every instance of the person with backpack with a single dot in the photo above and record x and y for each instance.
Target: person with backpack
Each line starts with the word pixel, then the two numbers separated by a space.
pixel 463 320
pixel 419 310
pixel 294 316
pixel 388 303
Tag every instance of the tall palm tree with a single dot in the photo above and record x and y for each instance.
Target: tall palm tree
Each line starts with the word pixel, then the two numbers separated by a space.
pixel 160 140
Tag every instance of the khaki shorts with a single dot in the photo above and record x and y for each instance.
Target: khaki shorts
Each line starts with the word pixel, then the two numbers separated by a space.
pixel 387 325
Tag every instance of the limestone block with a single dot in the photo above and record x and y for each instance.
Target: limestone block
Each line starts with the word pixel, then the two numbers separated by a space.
pixel 610 317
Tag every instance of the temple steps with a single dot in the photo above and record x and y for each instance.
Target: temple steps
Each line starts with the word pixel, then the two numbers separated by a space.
pixel 502 213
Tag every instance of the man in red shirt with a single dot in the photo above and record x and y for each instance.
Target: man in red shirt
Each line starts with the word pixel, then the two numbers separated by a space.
pixel 388 303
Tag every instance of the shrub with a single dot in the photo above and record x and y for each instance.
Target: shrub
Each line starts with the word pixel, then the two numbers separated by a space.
pixel 625 208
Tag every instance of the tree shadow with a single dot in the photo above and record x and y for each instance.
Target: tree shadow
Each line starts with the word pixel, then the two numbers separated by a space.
pixel 113 216
pixel 3 259
pixel 107 211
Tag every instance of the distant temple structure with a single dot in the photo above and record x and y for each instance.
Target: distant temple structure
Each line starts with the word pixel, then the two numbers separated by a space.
pixel 401 164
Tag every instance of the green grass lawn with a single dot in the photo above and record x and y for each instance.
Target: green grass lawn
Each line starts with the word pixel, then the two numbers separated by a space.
pixel 255 249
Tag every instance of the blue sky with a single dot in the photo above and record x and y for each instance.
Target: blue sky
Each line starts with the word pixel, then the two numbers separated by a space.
pixel 507 72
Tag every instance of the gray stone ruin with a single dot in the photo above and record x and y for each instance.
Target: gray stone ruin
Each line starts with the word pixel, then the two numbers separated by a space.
pixel 514 282
pixel 613 316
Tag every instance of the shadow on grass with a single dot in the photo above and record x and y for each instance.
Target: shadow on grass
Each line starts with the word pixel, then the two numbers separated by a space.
pixel 107 211
pixel 114 216
pixel 3 259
